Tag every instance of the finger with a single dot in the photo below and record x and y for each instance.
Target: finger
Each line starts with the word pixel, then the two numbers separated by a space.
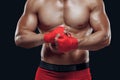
pixel 69 34
pixel 57 36
pixel 56 39
pixel 65 30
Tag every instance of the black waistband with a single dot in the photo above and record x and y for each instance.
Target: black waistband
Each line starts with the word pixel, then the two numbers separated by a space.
pixel 63 68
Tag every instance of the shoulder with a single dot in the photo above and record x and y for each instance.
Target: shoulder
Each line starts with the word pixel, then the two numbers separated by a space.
pixel 95 4
pixel 32 5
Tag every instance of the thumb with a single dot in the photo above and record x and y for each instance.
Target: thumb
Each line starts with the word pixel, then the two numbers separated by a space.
pixel 56 37
pixel 56 40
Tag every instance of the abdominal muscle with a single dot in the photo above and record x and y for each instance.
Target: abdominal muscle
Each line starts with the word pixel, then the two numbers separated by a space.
pixel 73 57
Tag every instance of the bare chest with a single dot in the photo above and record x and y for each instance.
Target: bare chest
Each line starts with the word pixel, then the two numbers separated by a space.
pixel 70 12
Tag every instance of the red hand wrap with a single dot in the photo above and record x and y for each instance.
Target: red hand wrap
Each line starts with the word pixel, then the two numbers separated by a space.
pixel 49 37
pixel 66 43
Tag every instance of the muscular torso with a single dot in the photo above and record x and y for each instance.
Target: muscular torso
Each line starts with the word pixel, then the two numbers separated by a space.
pixel 74 15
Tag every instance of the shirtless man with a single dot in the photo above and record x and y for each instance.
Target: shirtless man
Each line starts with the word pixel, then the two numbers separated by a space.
pixel 69 29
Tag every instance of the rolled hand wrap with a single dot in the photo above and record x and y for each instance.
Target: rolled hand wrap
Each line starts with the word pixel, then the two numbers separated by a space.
pixel 66 43
pixel 49 37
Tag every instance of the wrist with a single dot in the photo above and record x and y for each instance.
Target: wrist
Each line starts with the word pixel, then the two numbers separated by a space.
pixel 75 43
pixel 41 36
pixel 80 41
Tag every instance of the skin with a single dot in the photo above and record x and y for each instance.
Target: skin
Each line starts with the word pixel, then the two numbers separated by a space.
pixel 86 20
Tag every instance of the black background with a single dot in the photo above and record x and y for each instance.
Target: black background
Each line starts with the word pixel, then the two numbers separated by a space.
pixel 20 64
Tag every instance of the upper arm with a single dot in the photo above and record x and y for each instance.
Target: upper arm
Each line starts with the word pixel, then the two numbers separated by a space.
pixel 98 18
pixel 28 20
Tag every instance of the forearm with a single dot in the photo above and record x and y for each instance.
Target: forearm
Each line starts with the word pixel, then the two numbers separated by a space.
pixel 29 40
pixel 94 42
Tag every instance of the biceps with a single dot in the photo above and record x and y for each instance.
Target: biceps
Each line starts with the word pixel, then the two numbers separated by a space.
pixel 99 21
pixel 27 22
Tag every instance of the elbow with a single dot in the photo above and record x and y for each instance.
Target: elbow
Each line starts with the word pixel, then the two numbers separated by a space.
pixel 108 41
pixel 105 42
pixel 19 41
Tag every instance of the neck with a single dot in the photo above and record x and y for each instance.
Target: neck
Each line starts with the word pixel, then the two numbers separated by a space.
pixel 62 0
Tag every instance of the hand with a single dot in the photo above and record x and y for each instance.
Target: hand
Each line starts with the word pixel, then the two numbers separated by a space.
pixel 65 43
pixel 50 36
